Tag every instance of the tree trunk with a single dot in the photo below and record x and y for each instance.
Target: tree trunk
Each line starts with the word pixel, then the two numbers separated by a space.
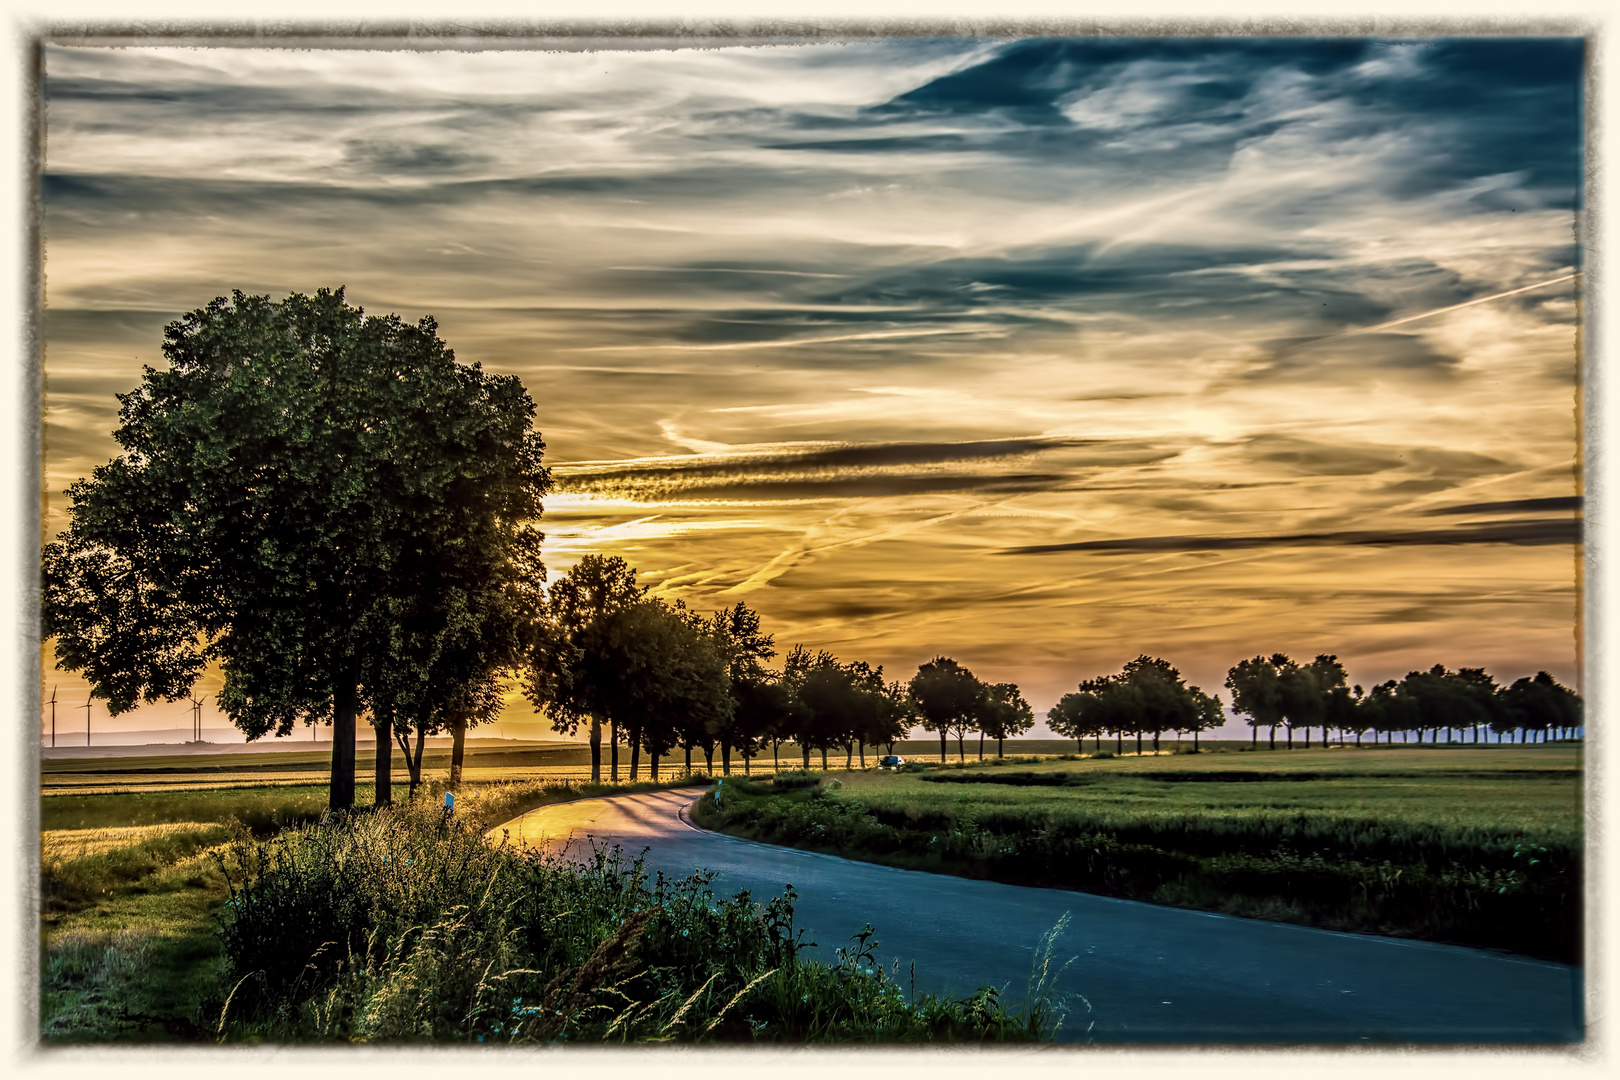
pixel 1308 737
pixel 1155 742
pixel 613 748
pixel 1119 743
pixel 849 755
pixel 653 766
pixel 1138 744
pixel 823 759
pixel 776 755
pixel 942 744
pixel 688 761
pixel 635 755
pixel 345 703
pixel 1254 735
pixel 404 740
pixel 1000 745
pixel 416 756
pixel 806 751
pixel 981 746
pixel 1290 736
pixel 1273 736
pixel 748 765
pixel 863 754
pixel 596 748
pixel 725 756
pixel 458 748
pixel 1195 740
pixel 385 762
pixel 961 755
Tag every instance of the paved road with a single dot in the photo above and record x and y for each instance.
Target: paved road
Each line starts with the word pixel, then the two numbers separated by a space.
pixel 1151 974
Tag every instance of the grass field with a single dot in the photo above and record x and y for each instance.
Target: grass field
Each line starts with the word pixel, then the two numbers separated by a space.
pixel 1477 846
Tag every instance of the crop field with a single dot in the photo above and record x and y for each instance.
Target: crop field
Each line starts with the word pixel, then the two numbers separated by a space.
pixel 1476 846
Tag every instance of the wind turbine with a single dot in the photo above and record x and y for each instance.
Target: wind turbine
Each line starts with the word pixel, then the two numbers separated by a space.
pixel 53 716
pixel 86 707
pixel 196 717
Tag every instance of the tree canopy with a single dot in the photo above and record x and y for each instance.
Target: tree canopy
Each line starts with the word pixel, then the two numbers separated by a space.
pixel 304 493
pixel 947 696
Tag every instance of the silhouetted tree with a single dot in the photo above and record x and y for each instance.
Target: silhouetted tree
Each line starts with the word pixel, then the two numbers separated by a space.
pixel 947 697
pixel 1257 693
pixel 1540 704
pixel 745 649
pixel 1003 714
pixel 296 468
pixel 574 668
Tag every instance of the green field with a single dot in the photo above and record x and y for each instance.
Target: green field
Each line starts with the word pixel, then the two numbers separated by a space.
pixel 1475 846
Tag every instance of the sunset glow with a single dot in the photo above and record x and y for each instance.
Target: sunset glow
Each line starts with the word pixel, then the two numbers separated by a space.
pixel 1037 354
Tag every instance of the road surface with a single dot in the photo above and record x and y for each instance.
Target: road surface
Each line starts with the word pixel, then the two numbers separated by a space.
pixel 1150 974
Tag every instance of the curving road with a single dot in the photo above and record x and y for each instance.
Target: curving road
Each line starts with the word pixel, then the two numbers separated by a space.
pixel 1151 974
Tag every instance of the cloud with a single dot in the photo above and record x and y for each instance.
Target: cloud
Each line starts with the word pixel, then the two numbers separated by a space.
pixel 1525 532
pixel 1513 506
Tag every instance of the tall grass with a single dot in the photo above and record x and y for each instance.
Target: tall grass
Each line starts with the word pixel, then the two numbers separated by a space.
pixel 405 925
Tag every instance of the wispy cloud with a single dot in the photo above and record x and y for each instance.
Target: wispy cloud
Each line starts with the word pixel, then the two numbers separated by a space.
pixel 1243 315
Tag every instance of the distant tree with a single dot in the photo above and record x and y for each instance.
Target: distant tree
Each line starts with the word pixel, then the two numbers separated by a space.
pixel 1162 699
pixel 745 650
pixel 1257 693
pixel 1439 700
pixel 1003 714
pixel 296 468
pixel 807 717
pixel 1341 713
pixel 763 712
pixel 1540 704
pixel 872 715
pixel 947 697
pixel 898 716
pixel 575 667
pixel 1101 705
pixel 675 677
pixel 1069 718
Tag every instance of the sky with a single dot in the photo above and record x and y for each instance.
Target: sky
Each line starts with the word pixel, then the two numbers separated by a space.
pixel 1039 354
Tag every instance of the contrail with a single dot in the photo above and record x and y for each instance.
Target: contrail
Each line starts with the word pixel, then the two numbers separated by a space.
pixel 1453 307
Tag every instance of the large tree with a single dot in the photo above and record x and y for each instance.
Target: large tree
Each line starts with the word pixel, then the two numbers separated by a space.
pixel 947 696
pixel 295 471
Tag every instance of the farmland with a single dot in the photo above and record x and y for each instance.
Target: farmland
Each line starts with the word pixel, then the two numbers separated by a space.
pixel 1479 847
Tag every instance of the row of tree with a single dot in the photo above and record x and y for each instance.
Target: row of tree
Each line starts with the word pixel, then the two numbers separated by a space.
pixel 1275 691
pixel 608 658
pixel 1149 698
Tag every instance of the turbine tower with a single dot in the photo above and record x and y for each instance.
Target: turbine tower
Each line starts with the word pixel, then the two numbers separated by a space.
pixel 53 716
pixel 86 707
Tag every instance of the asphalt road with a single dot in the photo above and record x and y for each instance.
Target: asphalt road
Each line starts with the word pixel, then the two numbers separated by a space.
pixel 1150 974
